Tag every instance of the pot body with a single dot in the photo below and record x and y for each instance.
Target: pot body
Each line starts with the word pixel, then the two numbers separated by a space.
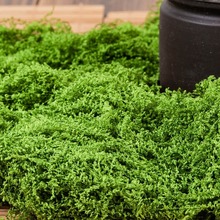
pixel 189 43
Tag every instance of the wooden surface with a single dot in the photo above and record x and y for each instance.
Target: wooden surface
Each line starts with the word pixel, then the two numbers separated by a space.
pixel 135 17
pixel 110 5
pixel 73 13
pixel 3 213
pixel 81 18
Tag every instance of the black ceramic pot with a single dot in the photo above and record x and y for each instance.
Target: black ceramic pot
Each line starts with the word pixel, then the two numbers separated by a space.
pixel 189 42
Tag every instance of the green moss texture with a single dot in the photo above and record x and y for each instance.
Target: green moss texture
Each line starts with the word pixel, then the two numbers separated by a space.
pixel 86 132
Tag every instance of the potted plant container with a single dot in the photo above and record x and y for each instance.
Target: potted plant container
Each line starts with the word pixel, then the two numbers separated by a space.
pixel 189 42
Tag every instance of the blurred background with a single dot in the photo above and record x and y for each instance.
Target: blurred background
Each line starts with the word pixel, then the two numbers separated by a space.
pixel 110 5
pixel 82 15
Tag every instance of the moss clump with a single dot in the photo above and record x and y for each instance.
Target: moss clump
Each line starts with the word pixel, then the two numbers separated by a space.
pixel 87 134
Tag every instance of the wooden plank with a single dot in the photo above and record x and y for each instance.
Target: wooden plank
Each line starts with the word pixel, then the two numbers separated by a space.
pixel 135 17
pixel 114 5
pixel 81 13
pixel 81 18
pixel 3 213
pixel 110 5
pixel 82 27
pixel 55 2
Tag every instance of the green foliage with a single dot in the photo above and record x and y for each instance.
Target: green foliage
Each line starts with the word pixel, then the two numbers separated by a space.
pixel 87 134
pixel 29 85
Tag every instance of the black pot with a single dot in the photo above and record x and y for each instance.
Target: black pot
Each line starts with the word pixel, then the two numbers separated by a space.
pixel 214 4
pixel 189 42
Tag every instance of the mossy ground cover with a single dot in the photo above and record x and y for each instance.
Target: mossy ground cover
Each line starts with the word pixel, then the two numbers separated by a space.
pixel 86 132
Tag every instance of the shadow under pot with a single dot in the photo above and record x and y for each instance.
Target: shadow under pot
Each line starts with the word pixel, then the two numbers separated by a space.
pixel 189 42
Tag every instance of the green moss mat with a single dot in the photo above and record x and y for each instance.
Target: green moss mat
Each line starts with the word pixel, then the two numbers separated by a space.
pixel 87 134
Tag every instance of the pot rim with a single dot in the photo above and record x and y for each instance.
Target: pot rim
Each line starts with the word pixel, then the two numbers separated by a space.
pixel 213 4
